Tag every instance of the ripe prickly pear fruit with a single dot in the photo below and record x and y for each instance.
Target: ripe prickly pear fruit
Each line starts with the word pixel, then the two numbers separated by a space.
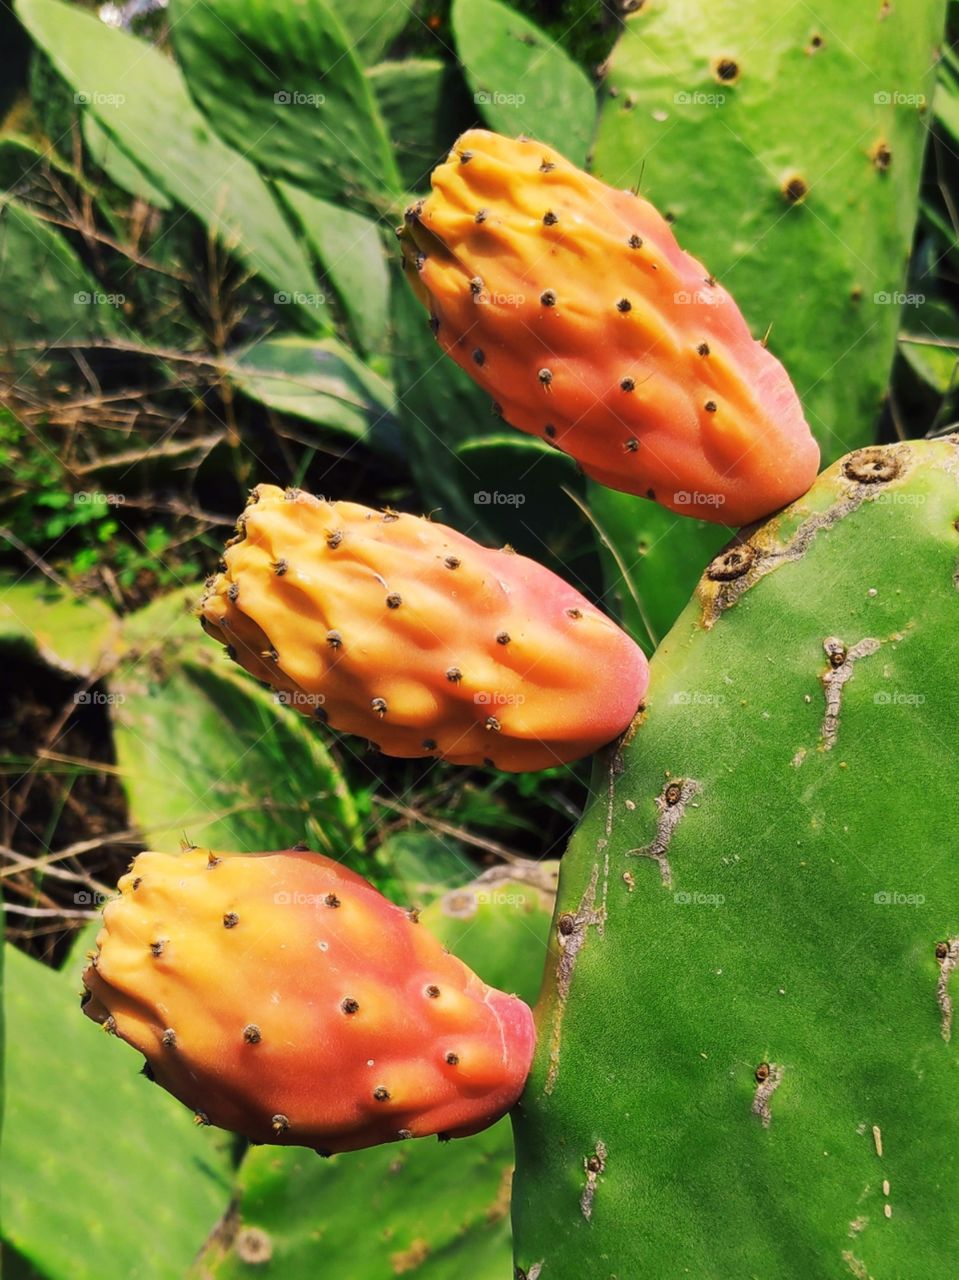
pixel 281 996
pixel 414 636
pixel 573 305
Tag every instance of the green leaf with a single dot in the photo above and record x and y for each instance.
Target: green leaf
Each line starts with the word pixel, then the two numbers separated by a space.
pixel 499 925
pixel 118 165
pixel 321 382
pixel 426 107
pixel 210 755
pixel 522 81
pixel 277 80
pixel 139 98
pixel 104 1174
pixel 23 160
pixel 652 560
pixel 439 1211
pixel 516 486
pixel 165 627
pixel 350 253
pixel 421 865
pixel 930 343
pixel 79 636
pixel 946 105
pixel 46 293
pixel 373 25
pixel 440 407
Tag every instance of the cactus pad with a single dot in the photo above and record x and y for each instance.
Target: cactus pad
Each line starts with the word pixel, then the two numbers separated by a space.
pixel 748 1058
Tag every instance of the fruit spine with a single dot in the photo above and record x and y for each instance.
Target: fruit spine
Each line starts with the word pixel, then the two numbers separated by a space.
pixel 573 305
pixel 417 638
pixel 281 996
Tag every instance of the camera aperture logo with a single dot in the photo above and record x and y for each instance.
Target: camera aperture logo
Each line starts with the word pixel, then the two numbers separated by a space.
pixel 694 498
pixel 97 299
pixel 93 98
pixel 299 698
pixel 493 98
pixel 295 98
pixel 297 299
pixel 891 898
pixel 494 498
pixel 489 698
pixel 97 698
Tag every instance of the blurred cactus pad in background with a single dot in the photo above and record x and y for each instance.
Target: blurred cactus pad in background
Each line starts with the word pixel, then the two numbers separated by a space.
pixel 547 692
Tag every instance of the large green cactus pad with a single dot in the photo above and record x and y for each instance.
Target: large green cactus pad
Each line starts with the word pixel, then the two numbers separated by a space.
pixel 747 1063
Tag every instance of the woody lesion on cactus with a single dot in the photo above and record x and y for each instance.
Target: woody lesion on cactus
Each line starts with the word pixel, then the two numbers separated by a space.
pixel 671 804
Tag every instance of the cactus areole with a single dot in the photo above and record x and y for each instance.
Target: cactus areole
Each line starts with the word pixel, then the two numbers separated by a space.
pixel 417 638
pixel 281 996
pixel 573 305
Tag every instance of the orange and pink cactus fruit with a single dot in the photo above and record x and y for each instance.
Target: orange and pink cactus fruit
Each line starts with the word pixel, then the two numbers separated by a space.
pixel 415 637
pixel 281 996
pixel 572 304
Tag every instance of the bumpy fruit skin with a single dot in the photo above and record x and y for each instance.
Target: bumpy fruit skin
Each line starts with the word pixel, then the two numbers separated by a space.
pixel 283 997
pixel 573 305
pixel 419 639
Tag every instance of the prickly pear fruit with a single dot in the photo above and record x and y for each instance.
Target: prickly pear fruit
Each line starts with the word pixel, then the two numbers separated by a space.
pixel 573 305
pixel 281 996
pixel 414 636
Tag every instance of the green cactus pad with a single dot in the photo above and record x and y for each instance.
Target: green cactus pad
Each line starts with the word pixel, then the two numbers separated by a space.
pixel 425 106
pixel 104 1173
pixel 75 634
pixel 439 1212
pixel 194 743
pixel 47 293
pixel 321 381
pixel 350 254
pixel 510 907
pixel 139 98
pixel 651 557
pixel 522 79
pixel 747 1061
pixel 306 112
pixel 118 166
pixel 788 149
pixel 373 25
